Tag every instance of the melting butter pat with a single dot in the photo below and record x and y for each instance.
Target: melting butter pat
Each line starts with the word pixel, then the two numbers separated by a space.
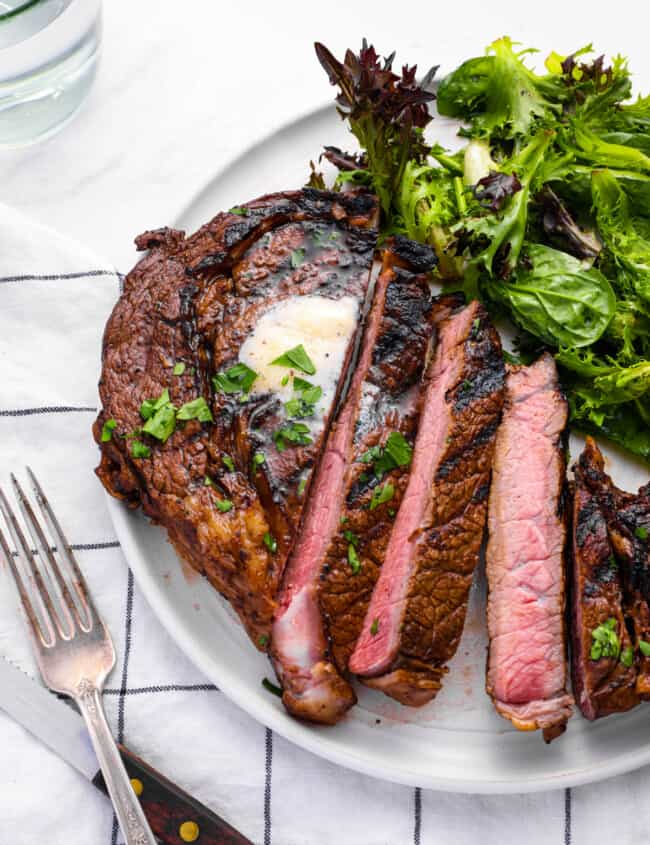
pixel 323 326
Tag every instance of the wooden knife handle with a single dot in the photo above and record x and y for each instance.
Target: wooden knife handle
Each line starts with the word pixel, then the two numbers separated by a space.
pixel 167 808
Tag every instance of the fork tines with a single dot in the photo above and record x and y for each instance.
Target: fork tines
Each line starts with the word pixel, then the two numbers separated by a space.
pixel 58 613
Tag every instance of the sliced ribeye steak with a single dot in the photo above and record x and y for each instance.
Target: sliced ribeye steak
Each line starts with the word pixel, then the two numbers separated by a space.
pixel 223 361
pixel 628 523
pixel 417 611
pixel 525 554
pixel 348 518
pixel 602 655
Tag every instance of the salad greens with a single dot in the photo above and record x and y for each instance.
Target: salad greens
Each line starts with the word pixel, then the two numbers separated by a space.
pixel 544 214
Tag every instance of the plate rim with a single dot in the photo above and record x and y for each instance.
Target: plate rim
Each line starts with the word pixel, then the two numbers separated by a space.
pixel 309 737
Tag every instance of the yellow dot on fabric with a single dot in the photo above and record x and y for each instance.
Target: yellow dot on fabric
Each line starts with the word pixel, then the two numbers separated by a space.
pixel 189 831
pixel 137 786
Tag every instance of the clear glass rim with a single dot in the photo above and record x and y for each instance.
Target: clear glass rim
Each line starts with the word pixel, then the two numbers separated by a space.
pixel 5 16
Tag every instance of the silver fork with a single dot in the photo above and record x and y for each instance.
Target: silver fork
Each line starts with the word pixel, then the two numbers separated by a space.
pixel 72 645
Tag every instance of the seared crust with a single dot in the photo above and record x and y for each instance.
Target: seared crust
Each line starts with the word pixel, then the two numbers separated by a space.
pixel 194 300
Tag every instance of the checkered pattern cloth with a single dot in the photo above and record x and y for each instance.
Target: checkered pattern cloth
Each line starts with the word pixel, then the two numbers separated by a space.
pixel 54 300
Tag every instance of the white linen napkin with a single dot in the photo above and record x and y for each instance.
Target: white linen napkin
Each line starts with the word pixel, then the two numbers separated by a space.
pixel 55 297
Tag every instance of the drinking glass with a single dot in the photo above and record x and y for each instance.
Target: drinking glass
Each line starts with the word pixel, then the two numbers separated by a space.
pixel 48 57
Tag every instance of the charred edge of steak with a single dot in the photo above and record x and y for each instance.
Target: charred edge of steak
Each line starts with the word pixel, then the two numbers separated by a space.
pixel 605 685
pixel 167 314
pixel 356 209
pixel 525 555
pixel 389 403
pixel 628 519
pixel 417 611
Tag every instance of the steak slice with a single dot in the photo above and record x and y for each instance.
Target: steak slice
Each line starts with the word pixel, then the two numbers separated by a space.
pixel 417 611
pixel 388 407
pixel 391 359
pixel 196 302
pixel 628 521
pixel 525 554
pixel 602 682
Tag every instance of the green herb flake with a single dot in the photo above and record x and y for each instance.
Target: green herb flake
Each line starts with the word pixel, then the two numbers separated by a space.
pixel 605 641
pixel 270 542
pixel 150 406
pixel 351 537
pixel 467 385
pixel 179 368
pixel 641 532
pixel 271 687
pixel 284 381
pixel 476 325
pixel 237 379
pixel 295 434
pixel 644 648
pixel 107 430
pixel 197 409
pixel 208 482
pixel 228 462
pixel 627 656
pixel 162 424
pixel 224 505
pixel 258 459
pixel 139 449
pixel 263 640
pixel 374 628
pixel 397 452
pixel 353 559
pixel 301 486
pixel 298 358
pixel 239 210
pixel 381 495
pixel 297 257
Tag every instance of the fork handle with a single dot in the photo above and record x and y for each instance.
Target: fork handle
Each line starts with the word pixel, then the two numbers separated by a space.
pixel 132 821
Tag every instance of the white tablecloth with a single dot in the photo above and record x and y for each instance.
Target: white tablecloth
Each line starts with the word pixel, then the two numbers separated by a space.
pixel 180 91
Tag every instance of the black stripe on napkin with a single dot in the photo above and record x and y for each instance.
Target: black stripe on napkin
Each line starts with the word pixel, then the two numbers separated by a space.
pixel 155 688
pixel 50 409
pixel 54 277
pixel 417 813
pixel 567 816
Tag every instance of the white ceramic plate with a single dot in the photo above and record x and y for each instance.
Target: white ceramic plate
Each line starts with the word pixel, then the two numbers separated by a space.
pixel 456 742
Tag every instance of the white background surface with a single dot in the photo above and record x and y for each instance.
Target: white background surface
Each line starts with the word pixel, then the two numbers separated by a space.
pixel 182 88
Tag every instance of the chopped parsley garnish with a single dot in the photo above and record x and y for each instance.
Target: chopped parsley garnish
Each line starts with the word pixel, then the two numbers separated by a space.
pixel 179 368
pixel 303 405
pixel 160 416
pixel 627 656
pixel 381 495
pixel 271 687
pixel 139 449
pixel 467 385
pixel 263 640
pixel 208 482
pixel 150 406
pixel 605 641
pixel 476 325
pixel 644 648
pixel 197 409
pixel 351 537
pixel 374 628
pixel 353 559
pixel 224 505
pixel 641 532
pixel 270 542
pixel 228 462
pixel 107 430
pixel 258 459
pixel 237 379
pixel 298 358
pixel 294 434
pixel 297 257
pixel 284 381
pixel 237 209
pixel 397 452
pixel 301 486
